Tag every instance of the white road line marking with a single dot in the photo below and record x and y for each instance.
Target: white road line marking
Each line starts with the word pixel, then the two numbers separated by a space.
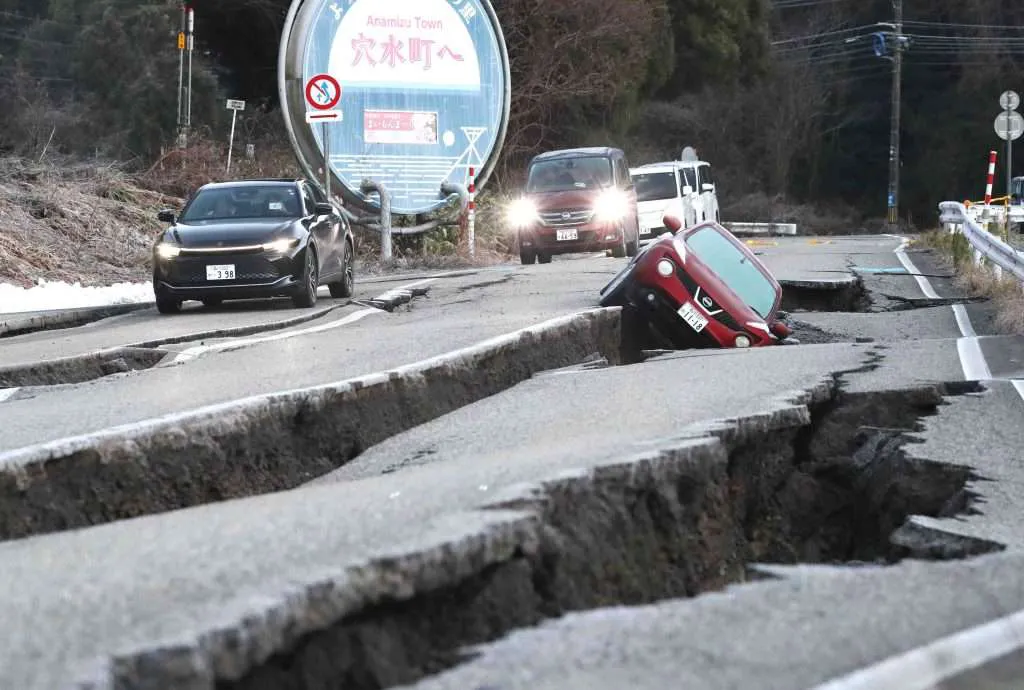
pixel 972 359
pixel 925 667
pixel 236 344
pixel 963 321
pixel 193 352
pixel 1019 385
pixel 922 282
pixel 8 393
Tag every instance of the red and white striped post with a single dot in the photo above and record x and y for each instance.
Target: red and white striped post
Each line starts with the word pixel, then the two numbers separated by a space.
pixel 991 177
pixel 472 212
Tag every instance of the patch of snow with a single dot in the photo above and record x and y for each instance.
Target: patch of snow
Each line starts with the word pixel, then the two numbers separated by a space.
pixel 46 296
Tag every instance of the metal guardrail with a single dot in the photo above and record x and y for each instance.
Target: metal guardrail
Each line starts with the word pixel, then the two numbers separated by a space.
pixel 986 246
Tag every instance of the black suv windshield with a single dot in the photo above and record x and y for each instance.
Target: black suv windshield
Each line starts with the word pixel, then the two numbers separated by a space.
pixel 248 201
pixel 564 174
pixel 655 186
pixel 734 268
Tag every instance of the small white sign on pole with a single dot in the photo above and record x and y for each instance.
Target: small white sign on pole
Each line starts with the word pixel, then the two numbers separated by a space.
pixel 234 106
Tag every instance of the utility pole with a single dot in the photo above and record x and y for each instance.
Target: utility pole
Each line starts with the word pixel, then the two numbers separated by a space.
pixel 191 49
pixel 894 126
pixel 181 61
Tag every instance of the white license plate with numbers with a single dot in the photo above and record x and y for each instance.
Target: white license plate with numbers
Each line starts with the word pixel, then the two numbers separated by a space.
pixel 220 272
pixel 694 318
pixel 562 235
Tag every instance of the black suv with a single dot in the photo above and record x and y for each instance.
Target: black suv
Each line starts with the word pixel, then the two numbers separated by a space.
pixel 253 238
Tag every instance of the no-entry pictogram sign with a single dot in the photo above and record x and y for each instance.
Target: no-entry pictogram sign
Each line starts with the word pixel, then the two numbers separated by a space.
pixel 323 92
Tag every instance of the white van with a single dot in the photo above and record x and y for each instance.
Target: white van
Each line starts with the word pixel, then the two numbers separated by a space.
pixel 684 188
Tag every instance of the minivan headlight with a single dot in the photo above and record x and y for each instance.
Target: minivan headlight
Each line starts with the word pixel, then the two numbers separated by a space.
pixel 611 206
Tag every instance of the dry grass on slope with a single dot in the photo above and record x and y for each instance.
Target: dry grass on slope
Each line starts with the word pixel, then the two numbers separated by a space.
pixel 1006 293
pixel 73 223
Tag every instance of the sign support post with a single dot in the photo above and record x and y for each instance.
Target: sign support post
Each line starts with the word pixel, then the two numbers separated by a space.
pixel 327 162
pixel 1009 101
pixel 323 93
pixel 234 107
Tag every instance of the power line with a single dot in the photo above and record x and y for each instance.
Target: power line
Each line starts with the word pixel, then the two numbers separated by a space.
pixel 797 39
pixel 999 27
pixel 787 4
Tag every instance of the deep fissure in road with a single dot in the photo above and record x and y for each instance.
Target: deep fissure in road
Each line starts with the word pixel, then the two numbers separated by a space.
pixel 678 524
pixel 852 297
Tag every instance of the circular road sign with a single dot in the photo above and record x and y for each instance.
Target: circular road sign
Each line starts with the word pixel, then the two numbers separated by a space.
pixel 323 92
pixel 1009 126
pixel 1009 100
pixel 427 94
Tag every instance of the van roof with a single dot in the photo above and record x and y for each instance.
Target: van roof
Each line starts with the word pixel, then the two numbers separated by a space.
pixel 604 151
pixel 654 167
pixel 674 164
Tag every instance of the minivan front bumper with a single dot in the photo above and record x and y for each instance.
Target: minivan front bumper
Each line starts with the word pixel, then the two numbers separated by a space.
pixel 566 240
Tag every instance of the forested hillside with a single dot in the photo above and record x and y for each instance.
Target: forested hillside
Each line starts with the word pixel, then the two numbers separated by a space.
pixel 776 94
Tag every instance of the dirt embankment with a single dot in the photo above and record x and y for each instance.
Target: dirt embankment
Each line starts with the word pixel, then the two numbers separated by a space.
pixel 85 223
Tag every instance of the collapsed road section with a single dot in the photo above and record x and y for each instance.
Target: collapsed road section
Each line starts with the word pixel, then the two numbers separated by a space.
pixel 271 442
pixel 343 582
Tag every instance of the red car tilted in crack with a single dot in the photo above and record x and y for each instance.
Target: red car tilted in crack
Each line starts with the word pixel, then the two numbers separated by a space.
pixel 701 287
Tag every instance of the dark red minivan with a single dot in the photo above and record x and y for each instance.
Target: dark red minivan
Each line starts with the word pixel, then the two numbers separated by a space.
pixel 576 200
pixel 702 287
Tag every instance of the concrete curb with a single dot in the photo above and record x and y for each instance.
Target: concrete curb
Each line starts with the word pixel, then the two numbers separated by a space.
pixel 762 229
pixel 272 442
pixel 47 321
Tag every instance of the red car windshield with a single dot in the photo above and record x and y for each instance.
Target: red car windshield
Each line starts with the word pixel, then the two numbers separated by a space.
pixel 567 174
pixel 734 268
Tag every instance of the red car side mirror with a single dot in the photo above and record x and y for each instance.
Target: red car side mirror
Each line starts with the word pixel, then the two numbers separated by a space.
pixel 672 223
pixel 781 330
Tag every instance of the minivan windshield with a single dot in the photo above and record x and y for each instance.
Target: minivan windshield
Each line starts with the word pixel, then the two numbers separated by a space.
pixel 565 174
pixel 655 186
pixel 249 201
pixel 734 268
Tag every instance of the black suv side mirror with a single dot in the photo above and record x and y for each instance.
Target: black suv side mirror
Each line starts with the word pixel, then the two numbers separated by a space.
pixel 165 216
pixel 323 208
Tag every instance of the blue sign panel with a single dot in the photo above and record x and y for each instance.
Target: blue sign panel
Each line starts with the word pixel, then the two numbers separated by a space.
pixel 424 93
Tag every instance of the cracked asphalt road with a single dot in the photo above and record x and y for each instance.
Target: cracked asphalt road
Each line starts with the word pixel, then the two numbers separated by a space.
pixel 75 599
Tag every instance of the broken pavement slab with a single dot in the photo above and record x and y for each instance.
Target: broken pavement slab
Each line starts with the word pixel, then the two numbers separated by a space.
pixel 253 591
pixel 217 589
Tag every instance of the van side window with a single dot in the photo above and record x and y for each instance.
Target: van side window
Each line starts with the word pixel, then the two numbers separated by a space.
pixel 690 178
pixel 705 175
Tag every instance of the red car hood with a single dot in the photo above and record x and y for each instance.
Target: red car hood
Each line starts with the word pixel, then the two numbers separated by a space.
pixel 719 291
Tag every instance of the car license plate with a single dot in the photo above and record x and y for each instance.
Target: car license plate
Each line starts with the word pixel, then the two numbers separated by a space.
pixel 220 272
pixel 695 319
pixel 562 235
